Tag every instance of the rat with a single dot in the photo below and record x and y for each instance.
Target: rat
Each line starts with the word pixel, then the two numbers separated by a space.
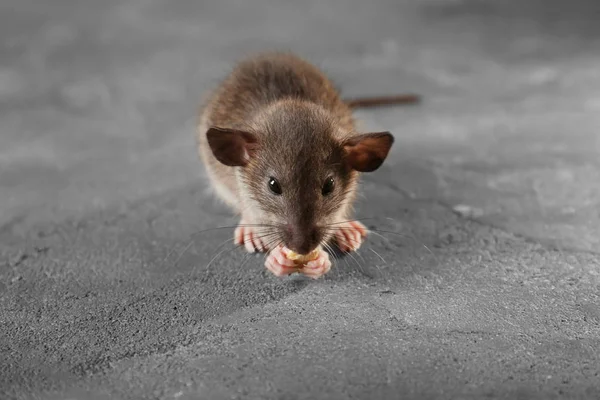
pixel 281 148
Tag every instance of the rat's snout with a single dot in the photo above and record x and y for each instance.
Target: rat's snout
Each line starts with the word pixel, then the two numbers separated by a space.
pixel 302 239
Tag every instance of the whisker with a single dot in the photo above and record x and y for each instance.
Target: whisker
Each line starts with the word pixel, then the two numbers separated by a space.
pixel 380 235
pixel 329 229
pixel 347 221
pixel 233 227
pixel 219 253
pixel 259 237
pixel 404 235
pixel 271 240
pixel 335 258
pixel 191 242
pixel 358 253
pixel 246 258
pixel 266 245
pixel 352 240
pixel 193 235
pixel 269 246
pixel 173 251
pixel 247 255
pixel 335 230
pixel 349 254
pixel 375 264
pixel 329 248
pixel 266 235
pixel 332 228
pixel 378 255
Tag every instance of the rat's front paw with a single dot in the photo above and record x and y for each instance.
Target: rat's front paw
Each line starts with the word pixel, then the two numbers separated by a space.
pixel 349 235
pixel 250 238
pixel 317 267
pixel 278 263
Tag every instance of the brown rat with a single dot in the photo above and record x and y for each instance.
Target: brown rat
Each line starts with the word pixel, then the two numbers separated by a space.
pixel 281 148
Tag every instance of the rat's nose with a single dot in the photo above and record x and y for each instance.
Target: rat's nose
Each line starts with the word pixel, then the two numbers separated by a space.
pixel 303 240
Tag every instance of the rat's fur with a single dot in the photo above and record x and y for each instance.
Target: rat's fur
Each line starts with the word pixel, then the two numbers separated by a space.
pixel 277 115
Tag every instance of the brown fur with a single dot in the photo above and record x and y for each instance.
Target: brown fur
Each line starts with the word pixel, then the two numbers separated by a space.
pixel 277 115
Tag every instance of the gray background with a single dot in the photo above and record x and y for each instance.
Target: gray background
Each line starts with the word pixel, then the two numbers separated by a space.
pixel 99 180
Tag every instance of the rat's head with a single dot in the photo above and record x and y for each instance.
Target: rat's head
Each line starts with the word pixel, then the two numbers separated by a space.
pixel 296 173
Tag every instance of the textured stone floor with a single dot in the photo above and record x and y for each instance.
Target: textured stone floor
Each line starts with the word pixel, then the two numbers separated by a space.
pixel 482 282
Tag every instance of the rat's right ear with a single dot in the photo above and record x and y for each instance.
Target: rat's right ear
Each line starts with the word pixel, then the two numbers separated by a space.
pixel 366 152
pixel 231 147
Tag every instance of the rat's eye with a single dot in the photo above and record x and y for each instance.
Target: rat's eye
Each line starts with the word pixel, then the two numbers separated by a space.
pixel 328 186
pixel 274 186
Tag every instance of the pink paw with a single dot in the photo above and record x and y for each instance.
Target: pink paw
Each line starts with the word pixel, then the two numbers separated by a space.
pixel 250 238
pixel 319 267
pixel 280 265
pixel 350 235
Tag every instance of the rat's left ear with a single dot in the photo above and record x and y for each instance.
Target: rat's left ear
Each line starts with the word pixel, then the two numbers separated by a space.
pixel 366 152
pixel 230 146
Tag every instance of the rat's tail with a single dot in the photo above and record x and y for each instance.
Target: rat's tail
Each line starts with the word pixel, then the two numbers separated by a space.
pixel 366 102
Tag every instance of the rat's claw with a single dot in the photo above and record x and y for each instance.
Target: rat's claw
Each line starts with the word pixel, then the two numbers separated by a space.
pixel 318 267
pixel 249 238
pixel 278 263
pixel 350 235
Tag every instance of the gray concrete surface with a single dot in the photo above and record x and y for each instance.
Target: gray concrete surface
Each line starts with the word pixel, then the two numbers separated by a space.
pixel 99 180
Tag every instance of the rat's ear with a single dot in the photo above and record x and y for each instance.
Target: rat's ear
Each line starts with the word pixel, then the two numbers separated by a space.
pixel 231 146
pixel 366 152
